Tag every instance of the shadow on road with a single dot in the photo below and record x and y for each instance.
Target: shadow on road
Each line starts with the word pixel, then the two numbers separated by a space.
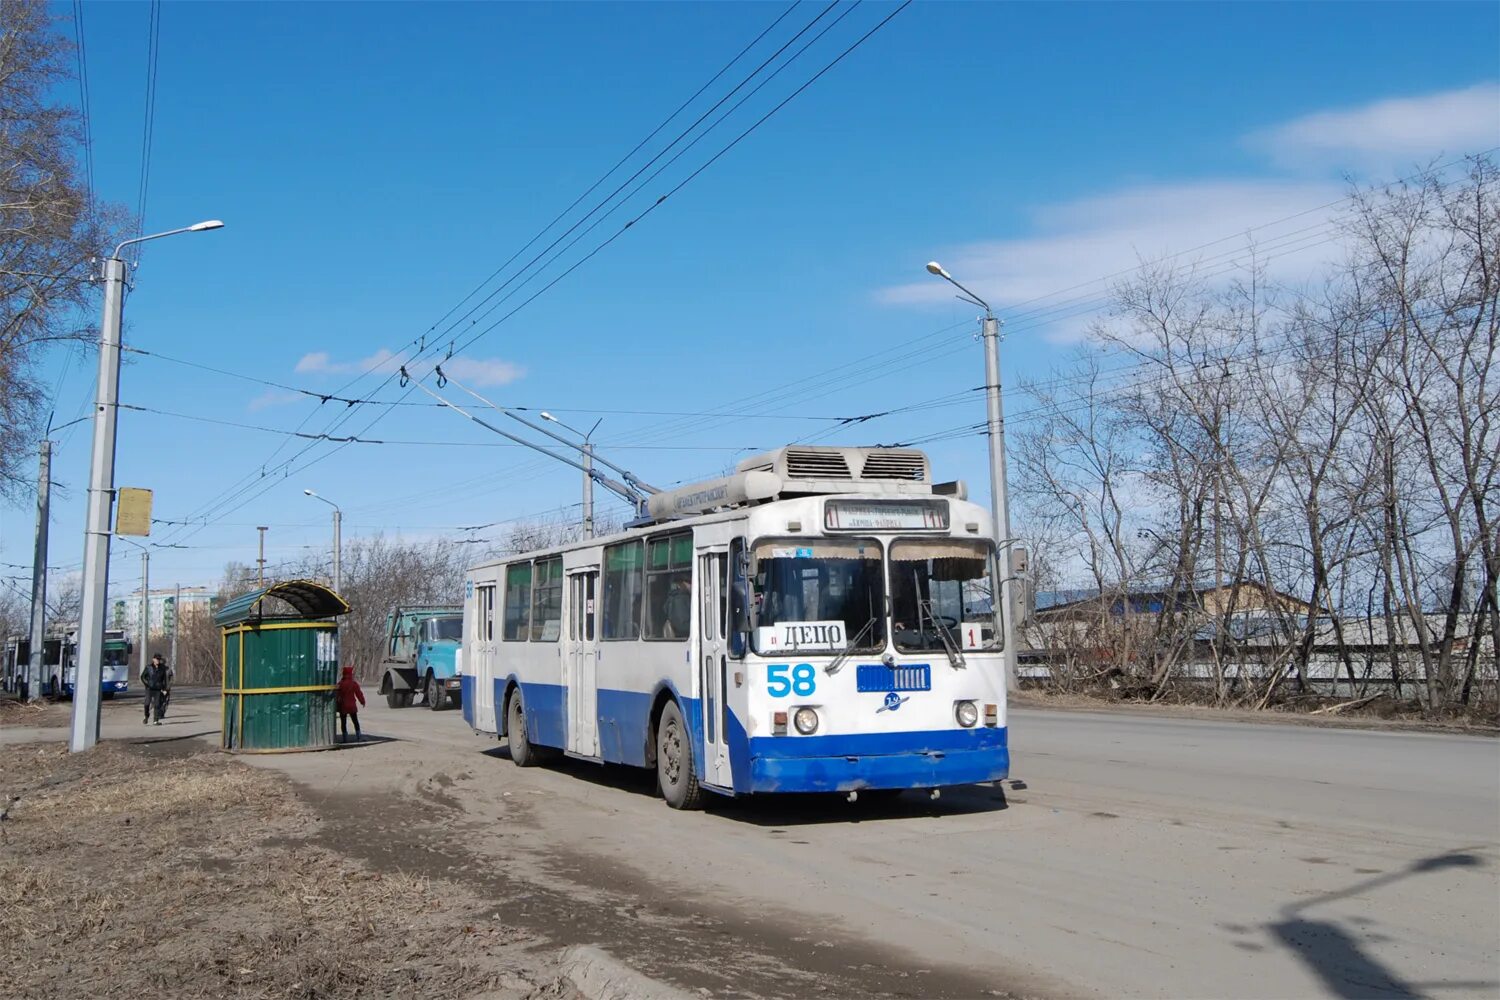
pixel 1337 957
pixel 173 739
pixel 788 809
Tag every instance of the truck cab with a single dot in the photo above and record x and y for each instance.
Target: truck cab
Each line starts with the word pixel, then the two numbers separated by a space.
pixel 421 657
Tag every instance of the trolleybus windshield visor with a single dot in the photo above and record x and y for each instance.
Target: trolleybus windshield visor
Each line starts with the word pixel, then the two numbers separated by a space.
pixel 943 586
pixel 817 594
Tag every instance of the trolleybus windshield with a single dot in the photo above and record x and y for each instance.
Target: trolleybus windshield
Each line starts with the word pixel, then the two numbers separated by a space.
pixel 819 594
pixel 943 585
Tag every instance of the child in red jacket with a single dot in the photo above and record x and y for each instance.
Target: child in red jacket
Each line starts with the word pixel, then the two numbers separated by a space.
pixel 347 698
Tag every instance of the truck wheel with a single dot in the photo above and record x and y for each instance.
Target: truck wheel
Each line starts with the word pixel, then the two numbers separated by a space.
pixel 407 697
pixel 393 699
pixel 437 697
pixel 676 772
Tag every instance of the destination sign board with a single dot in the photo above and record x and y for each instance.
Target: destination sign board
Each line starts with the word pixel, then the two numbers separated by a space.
pixel 886 515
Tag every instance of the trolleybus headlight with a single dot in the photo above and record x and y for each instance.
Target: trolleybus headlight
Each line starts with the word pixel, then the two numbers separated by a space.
pixel 806 721
pixel 966 713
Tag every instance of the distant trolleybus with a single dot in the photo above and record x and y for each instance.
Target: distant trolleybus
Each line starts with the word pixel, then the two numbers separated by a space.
pixel 824 620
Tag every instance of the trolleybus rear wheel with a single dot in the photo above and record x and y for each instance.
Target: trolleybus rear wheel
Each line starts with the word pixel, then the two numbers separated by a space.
pixel 676 772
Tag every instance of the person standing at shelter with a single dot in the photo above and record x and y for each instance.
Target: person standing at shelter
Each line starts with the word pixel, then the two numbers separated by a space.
pixel 158 680
pixel 347 697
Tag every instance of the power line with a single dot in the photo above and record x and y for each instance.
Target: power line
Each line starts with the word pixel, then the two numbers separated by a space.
pixel 148 124
pixel 80 52
pixel 230 496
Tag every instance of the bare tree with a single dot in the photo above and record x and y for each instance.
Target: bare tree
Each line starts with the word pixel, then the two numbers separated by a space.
pixel 49 227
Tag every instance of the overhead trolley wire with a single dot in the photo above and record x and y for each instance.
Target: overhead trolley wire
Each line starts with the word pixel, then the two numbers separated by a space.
pixel 455 349
pixel 80 53
pixel 248 481
pixel 148 124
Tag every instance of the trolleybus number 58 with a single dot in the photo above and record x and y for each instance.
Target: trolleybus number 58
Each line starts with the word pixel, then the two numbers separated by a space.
pixel 783 679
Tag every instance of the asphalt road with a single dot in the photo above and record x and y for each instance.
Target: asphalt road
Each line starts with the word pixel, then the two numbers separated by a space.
pixel 1130 856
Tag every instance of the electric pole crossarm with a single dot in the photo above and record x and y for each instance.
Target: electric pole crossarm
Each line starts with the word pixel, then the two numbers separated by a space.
pixel 635 498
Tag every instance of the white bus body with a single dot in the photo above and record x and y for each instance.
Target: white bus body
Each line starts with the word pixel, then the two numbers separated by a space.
pixel 822 643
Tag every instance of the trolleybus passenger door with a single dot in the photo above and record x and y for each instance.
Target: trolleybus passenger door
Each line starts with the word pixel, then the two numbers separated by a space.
pixel 713 577
pixel 583 663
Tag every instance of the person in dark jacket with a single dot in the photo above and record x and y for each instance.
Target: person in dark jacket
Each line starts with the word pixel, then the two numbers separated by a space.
pixel 347 698
pixel 158 680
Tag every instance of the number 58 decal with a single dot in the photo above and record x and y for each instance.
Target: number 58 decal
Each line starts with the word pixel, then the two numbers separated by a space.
pixel 783 679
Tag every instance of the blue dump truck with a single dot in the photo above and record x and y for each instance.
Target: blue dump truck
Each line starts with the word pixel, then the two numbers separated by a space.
pixel 421 655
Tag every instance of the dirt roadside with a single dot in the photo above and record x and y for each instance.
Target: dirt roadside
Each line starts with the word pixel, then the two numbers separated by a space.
pixel 1032 698
pixel 162 870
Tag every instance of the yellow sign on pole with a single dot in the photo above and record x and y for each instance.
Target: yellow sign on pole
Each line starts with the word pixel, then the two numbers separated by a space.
pixel 133 511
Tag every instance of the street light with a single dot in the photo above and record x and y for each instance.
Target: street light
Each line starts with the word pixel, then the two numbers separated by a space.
pixel 338 547
pixel 85 727
pixel 999 497
pixel 588 470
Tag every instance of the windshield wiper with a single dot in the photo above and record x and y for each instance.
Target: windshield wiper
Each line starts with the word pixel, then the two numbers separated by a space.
pixel 950 645
pixel 838 661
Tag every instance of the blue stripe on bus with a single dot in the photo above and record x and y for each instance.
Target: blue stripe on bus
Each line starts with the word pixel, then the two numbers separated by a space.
pixel 466 698
pixel 843 763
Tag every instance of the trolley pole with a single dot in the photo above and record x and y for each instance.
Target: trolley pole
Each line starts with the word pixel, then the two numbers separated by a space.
pixel 39 577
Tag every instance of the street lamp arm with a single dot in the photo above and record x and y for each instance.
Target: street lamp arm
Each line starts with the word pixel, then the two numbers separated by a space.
pixel 196 227
pixel 319 496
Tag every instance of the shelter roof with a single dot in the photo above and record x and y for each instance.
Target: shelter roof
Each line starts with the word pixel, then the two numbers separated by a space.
pixel 308 598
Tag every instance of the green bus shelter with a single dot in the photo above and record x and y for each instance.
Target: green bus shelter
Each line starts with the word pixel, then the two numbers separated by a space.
pixel 280 667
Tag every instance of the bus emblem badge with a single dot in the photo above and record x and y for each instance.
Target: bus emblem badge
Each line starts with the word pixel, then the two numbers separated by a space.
pixel 893 701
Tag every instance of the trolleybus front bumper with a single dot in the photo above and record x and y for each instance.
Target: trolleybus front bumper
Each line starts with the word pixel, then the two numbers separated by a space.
pixel 883 760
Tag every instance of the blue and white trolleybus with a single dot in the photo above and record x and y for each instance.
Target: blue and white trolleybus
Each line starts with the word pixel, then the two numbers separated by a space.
pixel 823 620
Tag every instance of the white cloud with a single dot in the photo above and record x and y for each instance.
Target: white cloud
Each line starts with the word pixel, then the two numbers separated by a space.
pixel 321 363
pixel 1389 134
pixel 470 371
pixel 274 397
pixel 1212 224
pixel 483 371
pixel 1078 248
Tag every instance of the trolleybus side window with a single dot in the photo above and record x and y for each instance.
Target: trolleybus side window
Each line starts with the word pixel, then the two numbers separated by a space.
pixel 622 590
pixel 820 581
pixel 546 600
pixel 517 601
pixel 669 586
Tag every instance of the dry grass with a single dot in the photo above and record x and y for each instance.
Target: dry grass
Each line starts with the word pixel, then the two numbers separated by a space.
pixel 127 876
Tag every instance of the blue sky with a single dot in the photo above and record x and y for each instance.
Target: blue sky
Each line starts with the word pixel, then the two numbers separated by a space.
pixel 374 162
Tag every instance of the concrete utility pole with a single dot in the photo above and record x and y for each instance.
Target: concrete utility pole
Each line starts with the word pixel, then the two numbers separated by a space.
pixel 143 634
pixel 261 561
pixel 39 577
pixel 999 494
pixel 176 617
pixel 338 543
pixel 587 449
pixel 101 494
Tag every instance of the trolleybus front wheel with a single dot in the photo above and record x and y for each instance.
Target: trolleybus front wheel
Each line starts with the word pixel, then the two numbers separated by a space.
pixel 676 772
